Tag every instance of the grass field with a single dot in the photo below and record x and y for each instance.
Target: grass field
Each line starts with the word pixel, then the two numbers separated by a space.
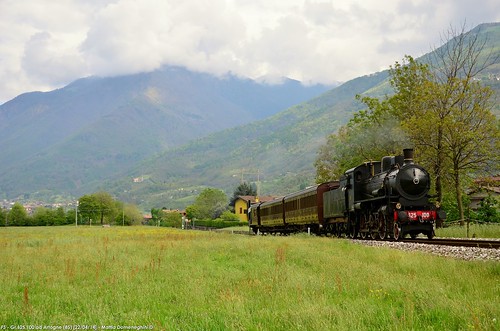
pixel 475 230
pixel 161 278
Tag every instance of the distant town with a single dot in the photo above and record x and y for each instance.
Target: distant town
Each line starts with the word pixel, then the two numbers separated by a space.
pixel 31 206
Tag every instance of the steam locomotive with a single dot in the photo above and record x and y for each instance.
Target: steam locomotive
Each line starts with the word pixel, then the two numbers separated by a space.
pixel 377 199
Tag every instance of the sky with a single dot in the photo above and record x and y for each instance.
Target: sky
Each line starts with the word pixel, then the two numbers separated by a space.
pixel 47 44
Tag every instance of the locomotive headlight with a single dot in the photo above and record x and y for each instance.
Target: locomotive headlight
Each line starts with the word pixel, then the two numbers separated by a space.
pixel 398 205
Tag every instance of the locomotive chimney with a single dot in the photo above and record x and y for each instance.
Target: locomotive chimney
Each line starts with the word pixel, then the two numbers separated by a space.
pixel 408 155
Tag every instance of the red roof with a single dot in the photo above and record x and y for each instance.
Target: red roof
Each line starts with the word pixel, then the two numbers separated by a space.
pixel 253 199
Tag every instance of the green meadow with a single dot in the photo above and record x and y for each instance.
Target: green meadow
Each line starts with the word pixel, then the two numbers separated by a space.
pixel 167 279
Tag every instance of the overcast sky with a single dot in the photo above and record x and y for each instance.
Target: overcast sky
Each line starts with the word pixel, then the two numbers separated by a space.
pixel 46 44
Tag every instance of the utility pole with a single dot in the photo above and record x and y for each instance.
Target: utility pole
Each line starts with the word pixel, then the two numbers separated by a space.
pixel 258 179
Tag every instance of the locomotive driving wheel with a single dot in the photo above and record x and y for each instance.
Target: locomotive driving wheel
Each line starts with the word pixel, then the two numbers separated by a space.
pixel 353 229
pixel 382 226
pixel 398 233
pixel 373 230
pixel 339 230
pixel 363 226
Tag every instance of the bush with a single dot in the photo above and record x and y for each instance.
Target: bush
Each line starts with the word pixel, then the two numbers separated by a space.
pixel 229 217
pixel 219 223
pixel 488 210
pixel 173 220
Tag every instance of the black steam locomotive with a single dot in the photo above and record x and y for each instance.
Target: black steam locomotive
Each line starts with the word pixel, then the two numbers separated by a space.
pixel 379 200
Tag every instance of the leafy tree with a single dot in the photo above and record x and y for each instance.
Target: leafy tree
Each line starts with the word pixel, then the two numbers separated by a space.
pixel 210 204
pixel 191 212
pixel 422 115
pixel 155 216
pixel 170 219
pixel 58 216
pixel 88 207
pixel 98 205
pixel 441 108
pixel 445 111
pixel 70 216
pixel 488 210
pixel 464 133
pixel 42 216
pixel 106 205
pixel 369 135
pixel 243 189
pixel 124 214
pixel 18 215
pixel 3 215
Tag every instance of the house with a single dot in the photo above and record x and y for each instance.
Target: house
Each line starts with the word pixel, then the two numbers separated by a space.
pixel 484 187
pixel 243 201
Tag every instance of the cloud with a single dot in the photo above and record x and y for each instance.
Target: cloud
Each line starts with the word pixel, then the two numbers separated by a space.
pixel 48 60
pixel 47 44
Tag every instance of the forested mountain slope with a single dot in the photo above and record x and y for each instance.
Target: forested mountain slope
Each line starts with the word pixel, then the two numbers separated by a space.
pixel 279 151
pixel 71 139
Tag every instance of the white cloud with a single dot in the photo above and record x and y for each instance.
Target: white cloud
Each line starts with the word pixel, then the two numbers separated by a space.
pixel 47 44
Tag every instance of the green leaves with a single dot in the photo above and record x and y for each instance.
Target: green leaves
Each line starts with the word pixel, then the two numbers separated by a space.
pixel 210 204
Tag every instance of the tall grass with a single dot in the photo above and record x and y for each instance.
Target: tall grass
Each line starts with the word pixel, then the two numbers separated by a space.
pixel 474 230
pixel 187 280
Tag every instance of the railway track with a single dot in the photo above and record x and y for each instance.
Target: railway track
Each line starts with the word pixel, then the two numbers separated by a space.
pixel 457 242
pixel 479 243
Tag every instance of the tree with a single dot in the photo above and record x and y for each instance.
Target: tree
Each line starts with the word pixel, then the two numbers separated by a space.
pixel 59 216
pixel 3 216
pixel 468 130
pixel 369 135
pixel 210 204
pixel 471 136
pixel 18 215
pixel 105 205
pixel 42 216
pixel 191 212
pixel 99 205
pixel 441 107
pixel 132 215
pixel 88 207
pixel 421 114
pixel 445 111
pixel 488 209
pixel 170 219
pixel 243 189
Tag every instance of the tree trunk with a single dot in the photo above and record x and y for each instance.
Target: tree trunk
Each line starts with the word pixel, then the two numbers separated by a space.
pixel 458 191
pixel 439 164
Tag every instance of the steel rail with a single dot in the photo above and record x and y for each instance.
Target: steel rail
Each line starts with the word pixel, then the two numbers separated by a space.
pixel 457 242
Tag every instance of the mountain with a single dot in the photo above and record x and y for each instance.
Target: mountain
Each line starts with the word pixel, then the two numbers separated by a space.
pixel 161 143
pixel 70 139
pixel 278 151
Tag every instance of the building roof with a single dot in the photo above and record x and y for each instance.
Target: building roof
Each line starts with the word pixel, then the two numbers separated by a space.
pixel 488 181
pixel 483 186
pixel 253 199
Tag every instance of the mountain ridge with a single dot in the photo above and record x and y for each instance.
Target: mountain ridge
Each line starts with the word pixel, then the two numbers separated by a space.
pixel 94 127
pixel 278 149
pixel 174 178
